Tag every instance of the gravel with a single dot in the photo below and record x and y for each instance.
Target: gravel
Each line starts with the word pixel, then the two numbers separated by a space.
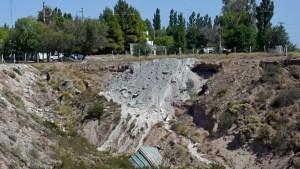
pixel 147 92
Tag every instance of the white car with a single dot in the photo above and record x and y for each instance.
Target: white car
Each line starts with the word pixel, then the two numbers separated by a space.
pixel 56 57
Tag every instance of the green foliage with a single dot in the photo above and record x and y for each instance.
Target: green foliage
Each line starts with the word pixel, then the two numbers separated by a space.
pixel 263 96
pixel 278 36
pixel 177 30
pixel 156 20
pixel 17 71
pixel 148 27
pixel 271 72
pixel 217 166
pixel 4 32
pixel 233 112
pixel 142 49
pixel 241 37
pixel 265 12
pixel 221 93
pixel 226 120
pixel 166 41
pixel 287 97
pixel 94 36
pixel 13 98
pixel 195 38
pixel 281 141
pixel 53 128
pixel 264 134
pixel 272 118
pixel 41 86
pixel 131 24
pixel 12 75
pixel 96 110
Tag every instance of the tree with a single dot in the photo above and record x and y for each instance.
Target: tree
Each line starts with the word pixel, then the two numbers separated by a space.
pixel 192 20
pixel 115 37
pixel 4 32
pixel 180 40
pixel 279 37
pixel 195 38
pixel 177 30
pixel 27 31
pixel 95 32
pixel 148 27
pixel 166 41
pixel 130 21
pixel 156 20
pixel 44 15
pixel 264 15
pixel 241 37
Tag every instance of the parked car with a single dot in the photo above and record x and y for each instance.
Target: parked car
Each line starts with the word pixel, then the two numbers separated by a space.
pixel 77 56
pixel 56 57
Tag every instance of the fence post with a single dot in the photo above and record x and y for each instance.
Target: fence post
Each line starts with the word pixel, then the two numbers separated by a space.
pixel 25 57
pixel 14 58
pixel 286 50
pixel 250 50
pixel 2 58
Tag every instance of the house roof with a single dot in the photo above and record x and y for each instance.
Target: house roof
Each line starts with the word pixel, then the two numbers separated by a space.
pixel 146 157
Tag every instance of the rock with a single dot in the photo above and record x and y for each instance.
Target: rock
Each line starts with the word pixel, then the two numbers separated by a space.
pixel 86 84
pixel 48 76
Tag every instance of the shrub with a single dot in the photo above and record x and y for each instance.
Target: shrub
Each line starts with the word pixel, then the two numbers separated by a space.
pixel 264 134
pixel 142 49
pixel 271 72
pixel 5 72
pixel 226 120
pixel 96 110
pixel 287 97
pixel 42 86
pixel 217 166
pixel 17 71
pixel 11 74
pixel 281 142
pixel 272 118
pixel 53 128
pixel 263 96
pixel 221 93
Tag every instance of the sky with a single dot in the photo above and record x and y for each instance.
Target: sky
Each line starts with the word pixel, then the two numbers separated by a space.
pixel 286 11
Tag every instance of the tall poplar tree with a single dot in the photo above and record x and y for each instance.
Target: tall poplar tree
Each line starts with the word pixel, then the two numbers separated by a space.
pixel 156 20
pixel 264 15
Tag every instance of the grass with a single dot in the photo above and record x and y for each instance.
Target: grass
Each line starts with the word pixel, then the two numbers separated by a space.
pixel 287 97
pixel 12 75
pixel 221 93
pixel 41 86
pixel 13 98
pixel 17 71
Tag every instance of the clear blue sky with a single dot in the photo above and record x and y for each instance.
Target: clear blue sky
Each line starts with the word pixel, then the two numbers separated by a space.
pixel 285 11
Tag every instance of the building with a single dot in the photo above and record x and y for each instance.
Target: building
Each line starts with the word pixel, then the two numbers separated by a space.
pixel 146 157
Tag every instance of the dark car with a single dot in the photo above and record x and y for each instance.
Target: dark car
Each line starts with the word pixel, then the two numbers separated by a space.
pixel 77 57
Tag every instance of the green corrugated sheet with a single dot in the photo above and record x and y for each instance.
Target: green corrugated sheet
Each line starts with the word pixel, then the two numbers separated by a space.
pixel 146 157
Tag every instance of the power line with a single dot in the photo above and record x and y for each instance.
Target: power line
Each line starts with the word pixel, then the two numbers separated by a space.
pixel 281 23
pixel 11 13
pixel 81 13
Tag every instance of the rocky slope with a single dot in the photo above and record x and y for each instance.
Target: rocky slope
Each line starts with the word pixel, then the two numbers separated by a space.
pixel 236 112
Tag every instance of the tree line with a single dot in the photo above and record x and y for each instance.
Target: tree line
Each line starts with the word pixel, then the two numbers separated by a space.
pixel 241 24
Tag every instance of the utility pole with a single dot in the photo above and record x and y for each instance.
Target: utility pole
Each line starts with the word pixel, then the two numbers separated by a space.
pixel 81 13
pixel 280 23
pixel 44 13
